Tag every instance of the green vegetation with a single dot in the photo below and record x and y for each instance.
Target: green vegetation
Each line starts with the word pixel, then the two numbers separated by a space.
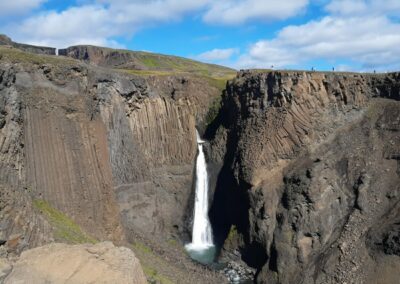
pixel 15 55
pixel 153 276
pixel 65 229
pixel 233 233
pixel 160 62
pixel 146 73
pixel 146 63
pixel 216 80
pixel 213 110
pixel 149 260
pixel 173 242
pixel 142 247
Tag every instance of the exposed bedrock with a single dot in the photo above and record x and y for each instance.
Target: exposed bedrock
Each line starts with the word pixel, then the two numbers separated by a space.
pixel 62 263
pixel 100 56
pixel 151 136
pixel 112 151
pixel 308 190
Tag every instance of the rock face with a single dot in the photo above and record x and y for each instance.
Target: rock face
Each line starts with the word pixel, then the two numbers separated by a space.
pixel 100 56
pixel 310 175
pixel 113 151
pixel 5 40
pixel 152 142
pixel 61 263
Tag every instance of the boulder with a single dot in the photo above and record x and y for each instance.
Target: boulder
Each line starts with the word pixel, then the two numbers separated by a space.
pixel 86 263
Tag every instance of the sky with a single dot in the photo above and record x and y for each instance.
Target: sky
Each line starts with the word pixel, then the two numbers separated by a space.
pixel 348 35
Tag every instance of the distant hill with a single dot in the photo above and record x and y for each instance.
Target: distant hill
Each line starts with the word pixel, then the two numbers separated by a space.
pixel 144 62
pixel 6 41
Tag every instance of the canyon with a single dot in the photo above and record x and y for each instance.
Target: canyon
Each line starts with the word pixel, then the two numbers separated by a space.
pixel 100 145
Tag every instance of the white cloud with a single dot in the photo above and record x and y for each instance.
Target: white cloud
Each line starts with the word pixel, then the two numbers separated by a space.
pixel 370 41
pixel 98 21
pixel 363 7
pixel 15 7
pixel 77 25
pixel 216 55
pixel 358 31
pixel 233 12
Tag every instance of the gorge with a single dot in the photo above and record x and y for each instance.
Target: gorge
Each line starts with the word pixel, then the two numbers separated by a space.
pixel 300 170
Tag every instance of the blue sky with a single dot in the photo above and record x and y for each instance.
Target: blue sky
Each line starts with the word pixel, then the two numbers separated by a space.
pixel 356 35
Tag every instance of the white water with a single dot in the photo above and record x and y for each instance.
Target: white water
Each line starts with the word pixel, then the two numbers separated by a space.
pixel 202 233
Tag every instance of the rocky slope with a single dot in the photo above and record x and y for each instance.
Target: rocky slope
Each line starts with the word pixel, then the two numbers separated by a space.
pixel 308 190
pixel 61 263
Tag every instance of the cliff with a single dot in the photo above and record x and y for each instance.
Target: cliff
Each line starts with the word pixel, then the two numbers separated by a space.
pixel 94 154
pixel 309 175
pixel 5 40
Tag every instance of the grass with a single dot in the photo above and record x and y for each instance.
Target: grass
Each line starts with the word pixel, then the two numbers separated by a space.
pixel 213 110
pixel 153 276
pixel 220 81
pixel 15 55
pixel 153 61
pixel 173 242
pixel 146 73
pixel 233 233
pixel 65 229
pixel 146 61
pixel 142 247
pixel 150 261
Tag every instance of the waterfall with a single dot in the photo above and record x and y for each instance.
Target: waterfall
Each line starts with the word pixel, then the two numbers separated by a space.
pixel 202 233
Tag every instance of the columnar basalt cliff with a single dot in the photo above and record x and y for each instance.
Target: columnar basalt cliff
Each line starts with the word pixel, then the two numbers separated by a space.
pixel 113 151
pixel 89 153
pixel 310 175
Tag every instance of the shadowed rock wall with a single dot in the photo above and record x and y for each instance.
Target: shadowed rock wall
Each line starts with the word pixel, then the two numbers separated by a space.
pixel 302 151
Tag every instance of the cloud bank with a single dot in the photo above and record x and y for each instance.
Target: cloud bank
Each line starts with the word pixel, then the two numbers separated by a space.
pixel 356 31
pixel 97 22
pixel 364 34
